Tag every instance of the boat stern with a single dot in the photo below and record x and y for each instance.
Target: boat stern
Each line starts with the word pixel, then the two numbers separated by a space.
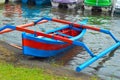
pixel 42 47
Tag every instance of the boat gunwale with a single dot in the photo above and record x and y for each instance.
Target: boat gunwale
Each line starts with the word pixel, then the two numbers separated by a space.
pixel 48 40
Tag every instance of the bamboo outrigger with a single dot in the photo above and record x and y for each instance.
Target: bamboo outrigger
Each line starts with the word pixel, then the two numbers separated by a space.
pixel 67 40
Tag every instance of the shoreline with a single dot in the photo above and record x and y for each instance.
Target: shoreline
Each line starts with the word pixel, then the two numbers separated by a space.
pixel 14 56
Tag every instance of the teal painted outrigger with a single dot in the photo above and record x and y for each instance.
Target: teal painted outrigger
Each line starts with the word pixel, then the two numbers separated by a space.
pixel 74 42
pixel 98 3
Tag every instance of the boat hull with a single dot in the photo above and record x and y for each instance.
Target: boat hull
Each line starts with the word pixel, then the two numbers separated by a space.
pixel 40 46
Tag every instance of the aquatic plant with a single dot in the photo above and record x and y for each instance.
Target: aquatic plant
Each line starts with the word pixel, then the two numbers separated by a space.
pixel 98 20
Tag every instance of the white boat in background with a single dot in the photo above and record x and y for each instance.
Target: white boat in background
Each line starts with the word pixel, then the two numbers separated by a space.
pixel 69 3
pixel 117 7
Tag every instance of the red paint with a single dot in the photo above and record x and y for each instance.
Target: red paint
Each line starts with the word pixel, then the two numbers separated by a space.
pixel 45 35
pixel 87 27
pixel 43 46
pixel 61 21
pixel 23 26
pixel 75 24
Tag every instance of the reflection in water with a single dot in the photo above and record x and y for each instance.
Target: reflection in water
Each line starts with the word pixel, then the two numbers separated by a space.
pixel 11 9
pixel 95 13
pixel 106 58
pixel 62 13
pixel 30 11
pixel 35 11
pixel 26 11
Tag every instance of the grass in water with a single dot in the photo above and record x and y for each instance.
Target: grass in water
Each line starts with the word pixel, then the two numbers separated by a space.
pixel 98 20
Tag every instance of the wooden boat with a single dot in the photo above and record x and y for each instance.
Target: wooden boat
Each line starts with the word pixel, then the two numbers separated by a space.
pixel 48 44
pixel 40 46
pixel 45 47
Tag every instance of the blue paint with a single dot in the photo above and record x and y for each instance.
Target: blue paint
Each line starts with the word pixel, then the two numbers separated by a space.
pixel 44 18
pixel 47 53
pixel 43 53
pixel 57 29
pixel 8 26
pixel 29 12
pixel 37 2
pixel 24 1
pixel 40 2
pixel 109 33
pixel 78 43
pixel 76 29
pixel 83 22
pixel 65 35
pixel 100 55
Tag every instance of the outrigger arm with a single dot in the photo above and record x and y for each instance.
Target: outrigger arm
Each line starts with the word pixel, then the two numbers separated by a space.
pixel 78 43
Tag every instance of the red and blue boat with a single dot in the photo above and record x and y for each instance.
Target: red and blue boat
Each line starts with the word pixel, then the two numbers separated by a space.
pixel 45 47
pixel 41 46
pixel 50 43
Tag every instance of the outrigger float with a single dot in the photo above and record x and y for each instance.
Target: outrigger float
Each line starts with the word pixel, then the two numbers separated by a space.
pixel 50 43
